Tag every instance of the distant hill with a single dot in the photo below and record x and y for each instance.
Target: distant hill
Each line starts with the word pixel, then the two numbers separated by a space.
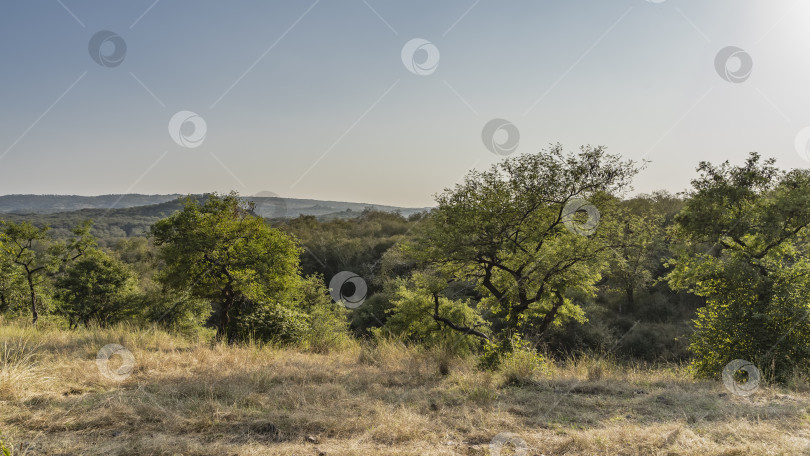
pixel 265 206
pixel 118 216
pixel 46 204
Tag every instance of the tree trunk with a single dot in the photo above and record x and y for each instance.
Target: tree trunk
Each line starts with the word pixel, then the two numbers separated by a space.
pixel 549 317
pixel 631 298
pixel 34 313
pixel 225 318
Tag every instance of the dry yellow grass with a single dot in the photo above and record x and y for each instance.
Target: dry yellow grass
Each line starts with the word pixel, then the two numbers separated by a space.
pixel 193 398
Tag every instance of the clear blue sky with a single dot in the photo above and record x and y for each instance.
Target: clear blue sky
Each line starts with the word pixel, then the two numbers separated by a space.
pixel 315 101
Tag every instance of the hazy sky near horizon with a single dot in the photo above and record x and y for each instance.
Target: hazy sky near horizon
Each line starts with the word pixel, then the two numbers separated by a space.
pixel 315 99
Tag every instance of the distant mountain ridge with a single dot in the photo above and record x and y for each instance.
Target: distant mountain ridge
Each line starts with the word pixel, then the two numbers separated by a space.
pixel 48 204
pixel 274 207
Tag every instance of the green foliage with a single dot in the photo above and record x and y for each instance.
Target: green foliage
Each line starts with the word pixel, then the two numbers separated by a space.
pixel 507 231
pixel 412 319
pixel 494 353
pixel 34 252
pixel 176 311
pixel 493 270
pixel 523 364
pixel 745 250
pixel 637 250
pixel 362 245
pixel 3 448
pixel 219 251
pixel 270 323
pixel 95 289
pixel 310 320
pixel 328 322
pixel 13 288
pixel 328 328
pixel 356 245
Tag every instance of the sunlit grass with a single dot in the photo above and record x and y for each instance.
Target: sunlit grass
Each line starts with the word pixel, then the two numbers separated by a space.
pixel 195 397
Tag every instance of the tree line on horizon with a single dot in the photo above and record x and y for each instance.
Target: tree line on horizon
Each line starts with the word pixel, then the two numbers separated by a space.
pixel 540 253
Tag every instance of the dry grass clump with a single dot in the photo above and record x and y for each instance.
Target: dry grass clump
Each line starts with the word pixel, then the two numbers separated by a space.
pixel 197 398
pixel 20 374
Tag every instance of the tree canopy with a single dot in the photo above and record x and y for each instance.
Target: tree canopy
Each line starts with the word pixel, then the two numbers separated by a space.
pixel 221 252
pixel 745 231
pixel 530 234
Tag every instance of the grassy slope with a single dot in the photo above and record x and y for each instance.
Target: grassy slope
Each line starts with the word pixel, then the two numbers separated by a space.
pixel 197 399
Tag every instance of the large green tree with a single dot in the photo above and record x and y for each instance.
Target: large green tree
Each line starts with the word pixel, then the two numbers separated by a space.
pixel 530 234
pixel 745 250
pixel 638 248
pixel 33 250
pixel 220 251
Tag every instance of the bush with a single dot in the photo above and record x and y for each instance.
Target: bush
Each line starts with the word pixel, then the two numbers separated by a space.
pixel 760 319
pixel 270 323
pixel 595 335
pixel 328 322
pixel 412 320
pixel 523 365
pixel 328 329
pixel 174 311
pixel 655 341
pixel 95 289
pixel 371 315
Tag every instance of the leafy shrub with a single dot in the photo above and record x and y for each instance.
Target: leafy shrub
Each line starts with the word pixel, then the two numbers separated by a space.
pixel 95 289
pixel 747 316
pixel 522 365
pixel 412 319
pixel 271 323
pixel 328 329
pixel 328 322
pixel 174 311
pixel 655 341
pixel 595 335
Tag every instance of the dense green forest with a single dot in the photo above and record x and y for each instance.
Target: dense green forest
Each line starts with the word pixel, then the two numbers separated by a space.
pixel 543 253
